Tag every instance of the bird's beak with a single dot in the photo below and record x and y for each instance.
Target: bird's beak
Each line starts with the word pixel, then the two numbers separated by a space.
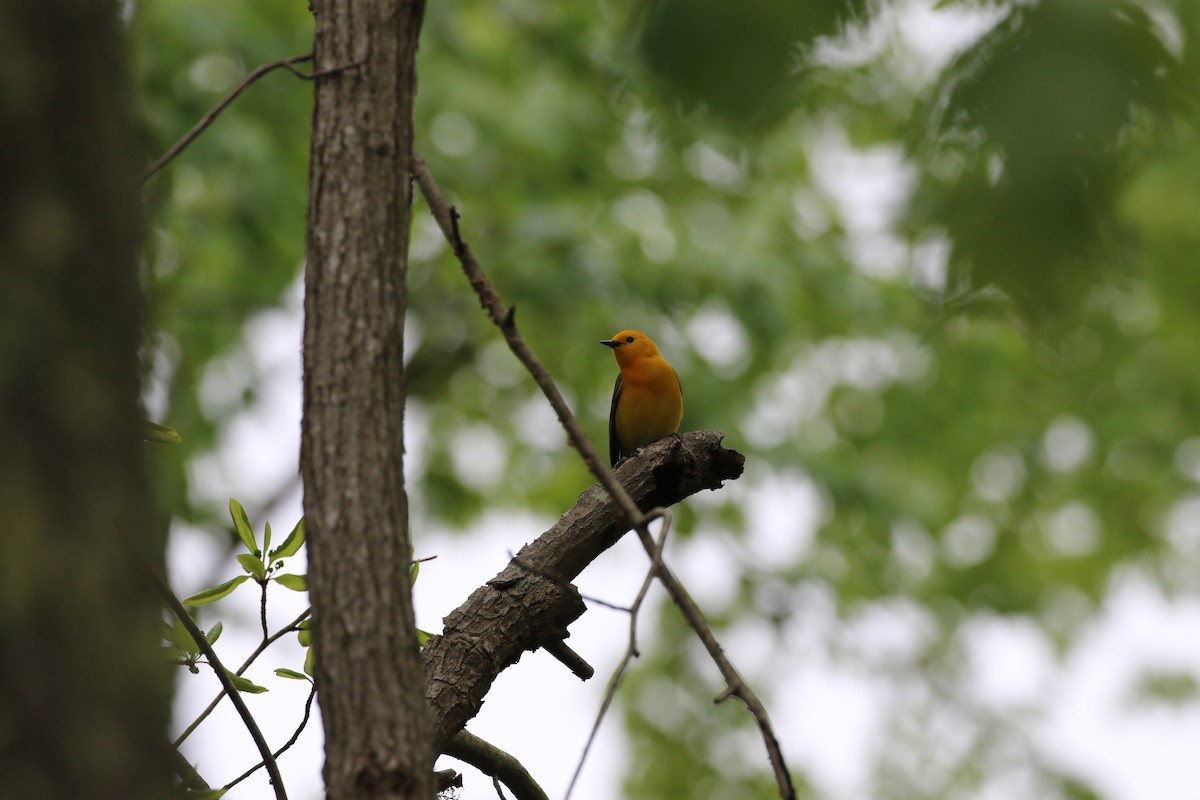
pixel 613 343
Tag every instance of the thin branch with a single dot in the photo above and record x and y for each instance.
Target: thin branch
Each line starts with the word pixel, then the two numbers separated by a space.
pixel 207 119
pixel 494 762
pixel 194 631
pixel 289 628
pixel 631 651
pixel 262 607
pixel 303 722
pixel 504 318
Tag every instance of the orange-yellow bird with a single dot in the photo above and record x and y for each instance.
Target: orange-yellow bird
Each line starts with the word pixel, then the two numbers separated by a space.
pixel 647 402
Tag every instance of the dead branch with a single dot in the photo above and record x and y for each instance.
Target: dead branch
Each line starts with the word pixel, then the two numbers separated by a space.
pixel 532 599
pixel 496 763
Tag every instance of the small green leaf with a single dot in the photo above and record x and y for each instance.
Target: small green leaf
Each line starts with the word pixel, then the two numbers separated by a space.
pixel 215 593
pixel 297 583
pixel 291 673
pixel 423 637
pixel 178 636
pixel 242 523
pixel 244 684
pixel 266 537
pixel 304 637
pixel 309 663
pixel 291 544
pixel 413 572
pixel 214 633
pixel 153 432
pixel 253 565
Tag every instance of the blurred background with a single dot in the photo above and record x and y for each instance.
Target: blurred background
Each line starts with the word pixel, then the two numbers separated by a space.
pixel 931 266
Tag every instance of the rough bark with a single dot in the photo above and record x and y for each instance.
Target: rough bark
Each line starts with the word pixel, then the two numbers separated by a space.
pixel 532 601
pixel 356 511
pixel 84 689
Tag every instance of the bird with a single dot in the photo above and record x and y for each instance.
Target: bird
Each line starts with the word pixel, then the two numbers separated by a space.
pixel 647 400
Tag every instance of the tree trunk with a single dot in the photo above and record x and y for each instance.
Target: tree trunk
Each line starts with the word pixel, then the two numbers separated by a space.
pixel 367 662
pixel 84 689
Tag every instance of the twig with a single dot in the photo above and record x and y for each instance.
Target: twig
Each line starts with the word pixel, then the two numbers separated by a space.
pixel 207 119
pixel 245 666
pixel 262 607
pixel 631 651
pixel 587 598
pixel 303 722
pixel 494 762
pixel 223 676
pixel 504 318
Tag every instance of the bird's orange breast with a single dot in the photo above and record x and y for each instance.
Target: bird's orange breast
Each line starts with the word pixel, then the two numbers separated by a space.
pixel 650 406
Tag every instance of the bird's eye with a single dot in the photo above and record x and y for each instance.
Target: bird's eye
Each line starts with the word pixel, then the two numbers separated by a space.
pixel 628 338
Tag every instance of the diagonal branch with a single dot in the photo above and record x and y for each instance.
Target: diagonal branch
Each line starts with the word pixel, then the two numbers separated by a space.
pixel 208 118
pixel 532 599
pixel 291 626
pixel 189 624
pixel 312 694
pixel 494 762
pixel 504 318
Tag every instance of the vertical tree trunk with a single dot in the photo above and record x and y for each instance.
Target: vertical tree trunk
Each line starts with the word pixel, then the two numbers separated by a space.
pixel 84 689
pixel 367 662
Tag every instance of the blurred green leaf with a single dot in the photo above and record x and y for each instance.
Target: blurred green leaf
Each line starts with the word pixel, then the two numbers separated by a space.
pixel 178 635
pixel 304 635
pixel 153 432
pixel 738 60
pixel 1040 108
pixel 1166 687
pixel 283 672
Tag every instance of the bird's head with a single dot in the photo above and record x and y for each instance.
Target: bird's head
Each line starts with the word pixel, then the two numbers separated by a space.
pixel 630 347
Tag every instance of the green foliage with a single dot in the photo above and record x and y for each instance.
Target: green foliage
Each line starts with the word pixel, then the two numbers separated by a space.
pixel 153 432
pixel 291 545
pixel 737 61
pixel 297 583
pixel 215 593
pixel 245 684
pixel 214 794
pixel 182 649
pixel 241 524
pixel 1048 102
